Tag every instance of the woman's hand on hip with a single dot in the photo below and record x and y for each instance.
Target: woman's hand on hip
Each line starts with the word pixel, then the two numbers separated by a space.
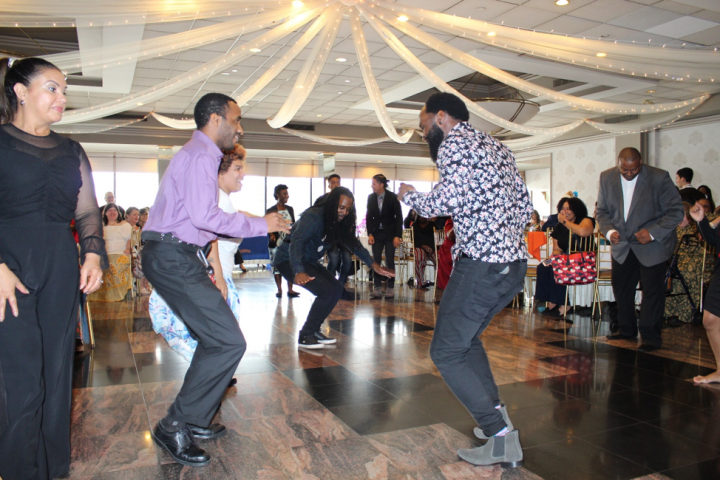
pixel 8 283
pixel 91 274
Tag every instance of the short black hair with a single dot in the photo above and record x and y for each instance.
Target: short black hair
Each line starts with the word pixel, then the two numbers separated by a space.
pixel 210 103
pixel 334 175
pixel 686 173
pixel 448 103
pixel 278 189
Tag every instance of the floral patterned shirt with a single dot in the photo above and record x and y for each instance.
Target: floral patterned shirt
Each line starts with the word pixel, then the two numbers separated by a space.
pixel 483 192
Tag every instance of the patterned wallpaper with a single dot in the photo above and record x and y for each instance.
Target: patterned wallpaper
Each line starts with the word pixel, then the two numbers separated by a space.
pixel 577 167
pixel 695 146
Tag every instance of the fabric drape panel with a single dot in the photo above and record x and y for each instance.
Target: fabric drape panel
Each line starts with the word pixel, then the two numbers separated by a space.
pixel 371 83
pixel 310 72
pixel 184 80
pixel 642 60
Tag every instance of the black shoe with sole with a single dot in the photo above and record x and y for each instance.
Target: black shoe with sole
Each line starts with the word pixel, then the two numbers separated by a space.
pixel 309 342
pixel 213 431
pixel 181 446
pixel 322 339
pixel 350 296
pixel 647 348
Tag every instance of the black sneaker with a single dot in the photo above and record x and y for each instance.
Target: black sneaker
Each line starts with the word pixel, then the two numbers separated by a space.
pixel 309 342
pixel 322 339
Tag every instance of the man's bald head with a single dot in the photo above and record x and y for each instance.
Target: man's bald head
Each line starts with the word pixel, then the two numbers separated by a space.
pixel 629 163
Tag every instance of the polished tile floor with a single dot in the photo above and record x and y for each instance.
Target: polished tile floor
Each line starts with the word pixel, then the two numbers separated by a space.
pixel 374 406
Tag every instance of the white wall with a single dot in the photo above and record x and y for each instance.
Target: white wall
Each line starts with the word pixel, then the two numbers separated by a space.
pixel 576 166
pixel 695 146
pixel 538 183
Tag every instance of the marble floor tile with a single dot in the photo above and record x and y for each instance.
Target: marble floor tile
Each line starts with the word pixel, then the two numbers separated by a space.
pixel 107 453
pixel 349 459
pixel 108 411
pixel 276 402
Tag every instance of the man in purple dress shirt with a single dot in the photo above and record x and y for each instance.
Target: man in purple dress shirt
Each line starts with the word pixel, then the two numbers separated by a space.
pixel 185 219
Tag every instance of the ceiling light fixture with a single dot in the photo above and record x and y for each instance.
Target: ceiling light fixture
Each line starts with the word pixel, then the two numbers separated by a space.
pixel 339 93
pixel 561 3
pixel 403 18
pixel 341 59
pixel 297 4
pixel 140 104
pixel 347 81
pixel 651 91
pixel 255 50
pixel 601 54
pixel 226 73
pixel 234 71
pixel 319 115
pixel 491 34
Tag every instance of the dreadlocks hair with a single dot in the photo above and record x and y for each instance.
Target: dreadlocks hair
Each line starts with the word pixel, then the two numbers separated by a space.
pixel 339 233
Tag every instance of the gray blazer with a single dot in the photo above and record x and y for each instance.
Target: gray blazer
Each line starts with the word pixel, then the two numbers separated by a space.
pixel 656 206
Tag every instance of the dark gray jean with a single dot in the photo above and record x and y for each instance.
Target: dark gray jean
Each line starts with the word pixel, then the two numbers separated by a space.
pixel 476 292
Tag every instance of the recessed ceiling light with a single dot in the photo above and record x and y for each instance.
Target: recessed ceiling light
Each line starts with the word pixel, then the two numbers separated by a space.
pixel 339 93
pixel 403 18
pixel 226 73
pixel 491 34
pixel 601 54
pixel 562 3
pixel 341 59
pixel 395 121
pixel 234 71
pixel 297 3
pixel 255 50
pixel 319 115
pixel 651 91
pixel 347 81
pixel 379 161
pixel 140 104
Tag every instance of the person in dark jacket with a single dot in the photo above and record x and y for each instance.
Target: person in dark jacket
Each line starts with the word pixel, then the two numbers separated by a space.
pixel 384 222
pixel 275 239
pixel 329 225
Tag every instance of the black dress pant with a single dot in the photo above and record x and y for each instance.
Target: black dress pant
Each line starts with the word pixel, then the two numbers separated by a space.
pixel 325 287
pixel 384 241
pixel 180 278
pixel 36 351
pixel 625 277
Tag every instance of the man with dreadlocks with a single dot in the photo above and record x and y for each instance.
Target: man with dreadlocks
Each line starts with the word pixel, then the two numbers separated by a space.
pixel 329 224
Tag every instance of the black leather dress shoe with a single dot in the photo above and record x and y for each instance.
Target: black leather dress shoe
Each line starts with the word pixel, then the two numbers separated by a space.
pixel 181 447
pixel 614 326
pixel 620 336
pixel 647 348
pixel 213 431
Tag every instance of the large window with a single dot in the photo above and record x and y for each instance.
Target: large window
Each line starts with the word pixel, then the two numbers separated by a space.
pixel 298 189
pixel 136 189
pixel 103 183
pixel 251 198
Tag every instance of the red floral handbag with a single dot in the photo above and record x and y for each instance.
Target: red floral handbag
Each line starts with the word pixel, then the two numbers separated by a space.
pixel 574 269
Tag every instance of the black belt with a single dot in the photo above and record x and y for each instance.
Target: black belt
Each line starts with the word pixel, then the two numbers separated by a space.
pixel 171 239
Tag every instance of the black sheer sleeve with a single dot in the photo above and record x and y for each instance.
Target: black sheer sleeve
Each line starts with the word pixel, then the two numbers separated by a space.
pixel 88 222
pixel 711 235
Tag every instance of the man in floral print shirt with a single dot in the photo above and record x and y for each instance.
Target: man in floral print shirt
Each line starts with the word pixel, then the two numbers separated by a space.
pixel 483 192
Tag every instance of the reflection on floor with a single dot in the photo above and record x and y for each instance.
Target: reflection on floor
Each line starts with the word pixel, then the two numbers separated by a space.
pixel 374 406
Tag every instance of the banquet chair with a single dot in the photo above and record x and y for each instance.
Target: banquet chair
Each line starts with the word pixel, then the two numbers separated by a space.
pixel 581 245
pixel 604 271
pixel 531 273
pixel 404 255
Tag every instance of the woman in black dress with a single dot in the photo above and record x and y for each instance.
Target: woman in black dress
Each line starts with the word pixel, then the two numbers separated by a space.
pixel 573 217
pixel 711 309
pixel 45 182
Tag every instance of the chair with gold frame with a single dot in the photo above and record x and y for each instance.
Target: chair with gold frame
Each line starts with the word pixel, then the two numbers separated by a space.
pixel 581 245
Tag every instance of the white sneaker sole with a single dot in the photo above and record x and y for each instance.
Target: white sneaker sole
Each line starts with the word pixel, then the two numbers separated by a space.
pixel 310 347
pixel 329 341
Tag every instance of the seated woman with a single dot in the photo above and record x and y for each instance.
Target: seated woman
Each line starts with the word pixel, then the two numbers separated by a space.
pixel 573 217
pixel 424 235
pixel 689 265
pixel 535 224
pixel 116 279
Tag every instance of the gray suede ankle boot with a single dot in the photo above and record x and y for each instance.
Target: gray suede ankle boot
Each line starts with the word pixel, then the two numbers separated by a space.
pixel 503 409
pixel 505 451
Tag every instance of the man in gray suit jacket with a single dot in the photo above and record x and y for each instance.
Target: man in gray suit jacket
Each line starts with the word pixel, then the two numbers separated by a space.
pixel 638 209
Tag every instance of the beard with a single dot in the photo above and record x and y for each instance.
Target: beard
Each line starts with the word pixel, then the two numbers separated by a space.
pixel 434 139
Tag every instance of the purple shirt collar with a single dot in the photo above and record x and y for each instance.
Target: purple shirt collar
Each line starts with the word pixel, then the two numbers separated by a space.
pixel 211 146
